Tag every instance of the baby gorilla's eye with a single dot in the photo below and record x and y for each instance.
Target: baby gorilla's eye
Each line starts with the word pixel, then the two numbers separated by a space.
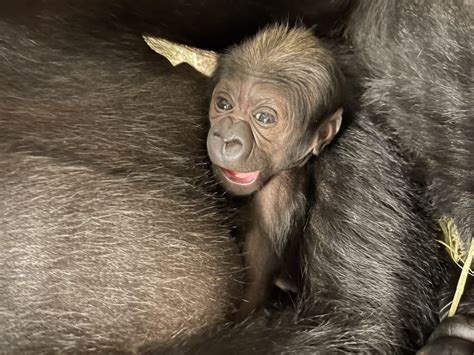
pixel 222 104
pixel 265 118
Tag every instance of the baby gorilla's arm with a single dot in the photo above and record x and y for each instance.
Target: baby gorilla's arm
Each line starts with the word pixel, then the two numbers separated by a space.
pixel 274 215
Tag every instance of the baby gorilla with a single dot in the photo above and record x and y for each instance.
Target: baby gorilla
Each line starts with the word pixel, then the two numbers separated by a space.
pixel 277 101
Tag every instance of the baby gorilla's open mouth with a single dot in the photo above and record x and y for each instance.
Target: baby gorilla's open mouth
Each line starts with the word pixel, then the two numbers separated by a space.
pixel 240 178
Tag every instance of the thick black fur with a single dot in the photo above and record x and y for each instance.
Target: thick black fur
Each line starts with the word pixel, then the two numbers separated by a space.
pixel 111 236
pixel 418 57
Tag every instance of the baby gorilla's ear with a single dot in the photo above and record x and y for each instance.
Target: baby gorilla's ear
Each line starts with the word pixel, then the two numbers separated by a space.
pixel 327 131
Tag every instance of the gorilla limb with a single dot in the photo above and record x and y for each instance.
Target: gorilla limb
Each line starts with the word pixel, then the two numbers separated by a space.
pixel 111 235
pixel 455 335
pixel 418 57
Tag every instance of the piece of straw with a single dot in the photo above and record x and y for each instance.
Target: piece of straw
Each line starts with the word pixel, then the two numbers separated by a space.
pixel 202 60
pixel 462 281
pixel 459 254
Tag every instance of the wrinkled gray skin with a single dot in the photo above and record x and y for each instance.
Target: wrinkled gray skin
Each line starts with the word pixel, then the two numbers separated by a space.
pixel 112 235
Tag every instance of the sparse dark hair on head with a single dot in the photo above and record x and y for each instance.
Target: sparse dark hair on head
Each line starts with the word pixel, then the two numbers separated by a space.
pixel 294 59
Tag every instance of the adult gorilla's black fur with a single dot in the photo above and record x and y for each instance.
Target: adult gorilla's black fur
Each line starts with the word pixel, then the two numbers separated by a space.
pixel 109 237
pixel 419 63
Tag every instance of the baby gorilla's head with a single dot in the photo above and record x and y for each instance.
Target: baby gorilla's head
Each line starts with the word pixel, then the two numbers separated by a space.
pixel 277 100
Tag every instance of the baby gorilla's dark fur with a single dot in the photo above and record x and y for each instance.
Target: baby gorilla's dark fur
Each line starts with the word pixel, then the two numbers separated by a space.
pixel 277 102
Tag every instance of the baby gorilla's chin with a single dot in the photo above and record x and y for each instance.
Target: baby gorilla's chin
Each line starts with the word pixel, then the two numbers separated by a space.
pixel 238 183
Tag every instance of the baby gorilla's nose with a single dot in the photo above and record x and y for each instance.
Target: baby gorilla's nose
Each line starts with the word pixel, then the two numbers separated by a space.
pixel 230 143
pixel 233 149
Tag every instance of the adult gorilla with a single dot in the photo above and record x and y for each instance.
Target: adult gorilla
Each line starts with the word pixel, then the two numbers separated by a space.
pixel 112 236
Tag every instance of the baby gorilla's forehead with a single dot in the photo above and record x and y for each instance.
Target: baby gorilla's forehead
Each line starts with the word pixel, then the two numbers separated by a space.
pixel 256 91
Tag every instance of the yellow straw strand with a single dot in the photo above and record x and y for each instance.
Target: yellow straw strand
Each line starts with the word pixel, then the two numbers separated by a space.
pixel 462 281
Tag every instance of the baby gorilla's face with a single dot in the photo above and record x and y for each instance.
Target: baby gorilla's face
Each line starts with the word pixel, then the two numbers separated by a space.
pixel 253 134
